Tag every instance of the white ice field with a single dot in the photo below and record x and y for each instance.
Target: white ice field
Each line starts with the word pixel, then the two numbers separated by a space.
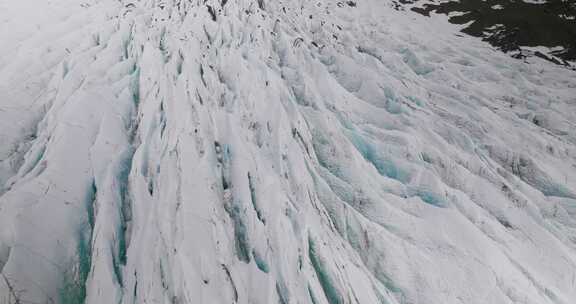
pixel 306 151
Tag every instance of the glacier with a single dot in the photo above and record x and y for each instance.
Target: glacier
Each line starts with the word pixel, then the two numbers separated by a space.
pixel 239 151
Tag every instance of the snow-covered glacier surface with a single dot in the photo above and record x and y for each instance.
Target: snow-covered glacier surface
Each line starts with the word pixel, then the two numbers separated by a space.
pixel 265 151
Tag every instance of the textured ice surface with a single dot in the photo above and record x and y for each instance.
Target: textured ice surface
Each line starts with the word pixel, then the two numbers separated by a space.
pixel 277 152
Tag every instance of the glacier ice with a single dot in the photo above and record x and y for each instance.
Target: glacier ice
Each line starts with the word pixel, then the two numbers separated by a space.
pixel 278 152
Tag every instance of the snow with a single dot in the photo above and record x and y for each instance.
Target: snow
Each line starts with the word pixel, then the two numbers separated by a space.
pixel 535 1
pixel 268 151
pixel 567 17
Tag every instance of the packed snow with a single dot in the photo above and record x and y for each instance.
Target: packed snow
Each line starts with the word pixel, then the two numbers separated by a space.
pixel 242 151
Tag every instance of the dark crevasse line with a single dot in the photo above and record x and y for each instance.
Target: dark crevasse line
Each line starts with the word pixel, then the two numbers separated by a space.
pixel 240 232
pixel 124 229
pixel 75 275
pixel 126 169
pixel 260 261
pixel 17 162
pixel 231 281
pixel 254 200
pixel 326 281
pixel 135 293
pixel 121 169
pixel 526 169
pixel 232 206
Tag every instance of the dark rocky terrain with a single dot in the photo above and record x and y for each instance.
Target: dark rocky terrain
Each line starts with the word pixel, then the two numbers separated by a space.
pixel 511 25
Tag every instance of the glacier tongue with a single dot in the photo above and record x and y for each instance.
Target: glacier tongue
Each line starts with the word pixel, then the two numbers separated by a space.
pixel 278 152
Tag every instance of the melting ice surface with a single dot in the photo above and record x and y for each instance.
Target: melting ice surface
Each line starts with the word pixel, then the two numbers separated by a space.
pixel 278 152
